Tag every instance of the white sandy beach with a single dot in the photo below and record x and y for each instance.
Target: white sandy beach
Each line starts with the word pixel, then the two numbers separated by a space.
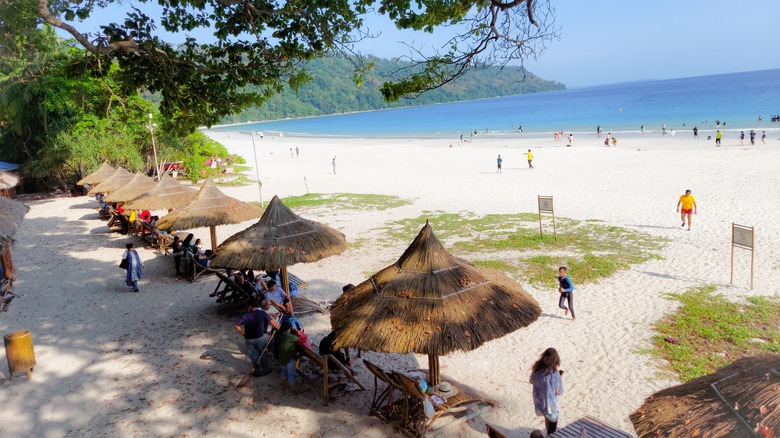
pixel 165 362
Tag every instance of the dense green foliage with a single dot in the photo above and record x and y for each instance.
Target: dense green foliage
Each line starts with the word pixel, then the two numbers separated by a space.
pixel 254 49
pixel 333 91
pixel 60 121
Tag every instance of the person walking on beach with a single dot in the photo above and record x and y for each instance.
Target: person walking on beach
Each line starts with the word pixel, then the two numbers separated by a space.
pixel 763 137
pixel 571 138
pixel 134 266
pixel 253 325
pixel 752 137
pixel 689 208
pixel 695 133
pixel 606 140
pixel 598 131
pixel 741 138
pixel 718 136
pixel 297 152
pixel 547 381
pixel 530 157
pixel 566 289
pixel 499 160
pixel 334 164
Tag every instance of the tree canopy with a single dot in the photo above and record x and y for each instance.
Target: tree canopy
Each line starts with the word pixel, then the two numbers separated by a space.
pixel 260 47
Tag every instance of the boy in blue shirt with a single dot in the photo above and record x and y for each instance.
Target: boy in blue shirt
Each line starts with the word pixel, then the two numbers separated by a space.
pixel 566 288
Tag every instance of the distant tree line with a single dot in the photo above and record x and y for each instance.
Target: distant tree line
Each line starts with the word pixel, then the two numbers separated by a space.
pixel 332 89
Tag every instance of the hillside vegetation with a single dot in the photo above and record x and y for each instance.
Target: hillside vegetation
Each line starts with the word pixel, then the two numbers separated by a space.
pixel 333 90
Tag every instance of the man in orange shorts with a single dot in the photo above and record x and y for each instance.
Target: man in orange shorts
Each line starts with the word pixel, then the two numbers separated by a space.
pixel 688 203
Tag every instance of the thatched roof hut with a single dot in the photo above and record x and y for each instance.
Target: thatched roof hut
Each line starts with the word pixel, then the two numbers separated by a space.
pixel 169 193
pixel 281 238
pixel 740 400
pixel 11 215
pixel 101 174
pixel 116 181
pixel 134 188
pixel 210 208
pixel 430 302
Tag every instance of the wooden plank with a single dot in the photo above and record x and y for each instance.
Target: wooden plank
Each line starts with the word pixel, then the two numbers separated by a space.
pixel 593 427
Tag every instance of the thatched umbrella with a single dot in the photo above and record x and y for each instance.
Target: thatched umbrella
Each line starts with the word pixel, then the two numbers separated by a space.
pixel 11 215
pixel 210 208
pixel 116 181
pixel 101 174
pixel 8 180
pixel 430 302
pixel 134 188
pixel 167 194
pixel 281 238
pixel 740 400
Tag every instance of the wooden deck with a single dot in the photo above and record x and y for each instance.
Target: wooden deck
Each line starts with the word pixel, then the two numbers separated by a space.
pixel 592 427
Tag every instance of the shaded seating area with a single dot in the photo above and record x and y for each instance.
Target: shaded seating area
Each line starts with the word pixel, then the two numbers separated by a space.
pixel 400 399
pixel 326 364
pixel 228 292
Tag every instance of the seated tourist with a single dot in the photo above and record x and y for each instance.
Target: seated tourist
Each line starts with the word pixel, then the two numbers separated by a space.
pixel 153 221
pixel 276 295
pixel 204 258
pixel 326 348
pixel 276 277
pixel 145 216
pixel 244 286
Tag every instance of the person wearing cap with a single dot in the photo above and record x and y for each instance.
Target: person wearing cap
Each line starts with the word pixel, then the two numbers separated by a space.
pixel 253 325
pixel 134 265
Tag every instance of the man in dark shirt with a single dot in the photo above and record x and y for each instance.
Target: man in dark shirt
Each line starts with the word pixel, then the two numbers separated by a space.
pixel 253 326
pixel 326 347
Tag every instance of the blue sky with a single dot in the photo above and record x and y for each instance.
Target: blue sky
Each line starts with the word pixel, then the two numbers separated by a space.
pixel 607 41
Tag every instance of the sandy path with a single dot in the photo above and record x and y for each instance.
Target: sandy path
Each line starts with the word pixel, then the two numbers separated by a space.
pixel 114 363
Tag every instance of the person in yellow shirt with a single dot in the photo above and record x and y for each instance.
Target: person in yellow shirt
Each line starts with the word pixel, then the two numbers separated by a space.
pixel 689 208
pixel 530 159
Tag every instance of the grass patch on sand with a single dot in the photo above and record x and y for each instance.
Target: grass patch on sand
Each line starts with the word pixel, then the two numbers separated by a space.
pixel 494 264
pixel 347 201
pixel 714 332
pixel 590 249
pixel 235 180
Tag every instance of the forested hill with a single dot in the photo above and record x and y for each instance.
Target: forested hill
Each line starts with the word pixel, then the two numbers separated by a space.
pixel 333 90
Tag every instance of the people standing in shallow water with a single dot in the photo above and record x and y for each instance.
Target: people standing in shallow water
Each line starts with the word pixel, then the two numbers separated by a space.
pixel 741 138
pixel 752 137
pixel 547 381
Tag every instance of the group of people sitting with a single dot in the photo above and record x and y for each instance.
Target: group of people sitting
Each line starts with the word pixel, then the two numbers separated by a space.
pixel 187 252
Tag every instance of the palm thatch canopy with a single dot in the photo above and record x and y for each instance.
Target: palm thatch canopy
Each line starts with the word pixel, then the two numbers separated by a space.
pixel 11 215
pixel 116 181
pixel 136 187
pixel 281 238
pixel 169 193
pixel 210 208
pixel 8 180
pixel 101 174
pixel 740 400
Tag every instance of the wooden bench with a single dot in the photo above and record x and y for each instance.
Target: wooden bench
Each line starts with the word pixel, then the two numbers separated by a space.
pixel 118 222
pixel 593 427
pixel 231 294
pixel 326 363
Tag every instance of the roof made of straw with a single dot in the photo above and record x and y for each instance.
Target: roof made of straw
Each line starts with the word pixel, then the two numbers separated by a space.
pixel 429 302
pixel 8 180
pixel 169 193
pixel 116 181
pixel 101 174
pixel 280 238
pixel 210 208
pixel 134 188
pixel 11 215
pixel 750 386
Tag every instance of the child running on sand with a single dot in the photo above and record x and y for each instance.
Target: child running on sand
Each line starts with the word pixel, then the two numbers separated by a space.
pixel 566 289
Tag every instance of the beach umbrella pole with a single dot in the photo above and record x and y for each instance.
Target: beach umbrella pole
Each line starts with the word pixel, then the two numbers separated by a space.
pixel 433 370
pixel 213 232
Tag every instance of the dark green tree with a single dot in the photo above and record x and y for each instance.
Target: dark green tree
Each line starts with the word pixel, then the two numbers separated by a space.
pixel 264 44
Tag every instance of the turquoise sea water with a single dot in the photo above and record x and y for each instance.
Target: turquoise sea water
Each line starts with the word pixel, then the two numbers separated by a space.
pixel 735 98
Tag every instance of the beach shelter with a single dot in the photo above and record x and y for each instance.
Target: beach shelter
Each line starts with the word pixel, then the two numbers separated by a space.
pixel 11 215
pixel 8 180
pixel 168 194
pixel 430 302
pixel 137 186
pixel 210 208
pixel 280 239
pixel 740 400
pixel 116 181
pixel 101 174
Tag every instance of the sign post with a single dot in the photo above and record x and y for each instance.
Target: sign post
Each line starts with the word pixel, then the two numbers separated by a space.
pixel 546 207
pixel 742 237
